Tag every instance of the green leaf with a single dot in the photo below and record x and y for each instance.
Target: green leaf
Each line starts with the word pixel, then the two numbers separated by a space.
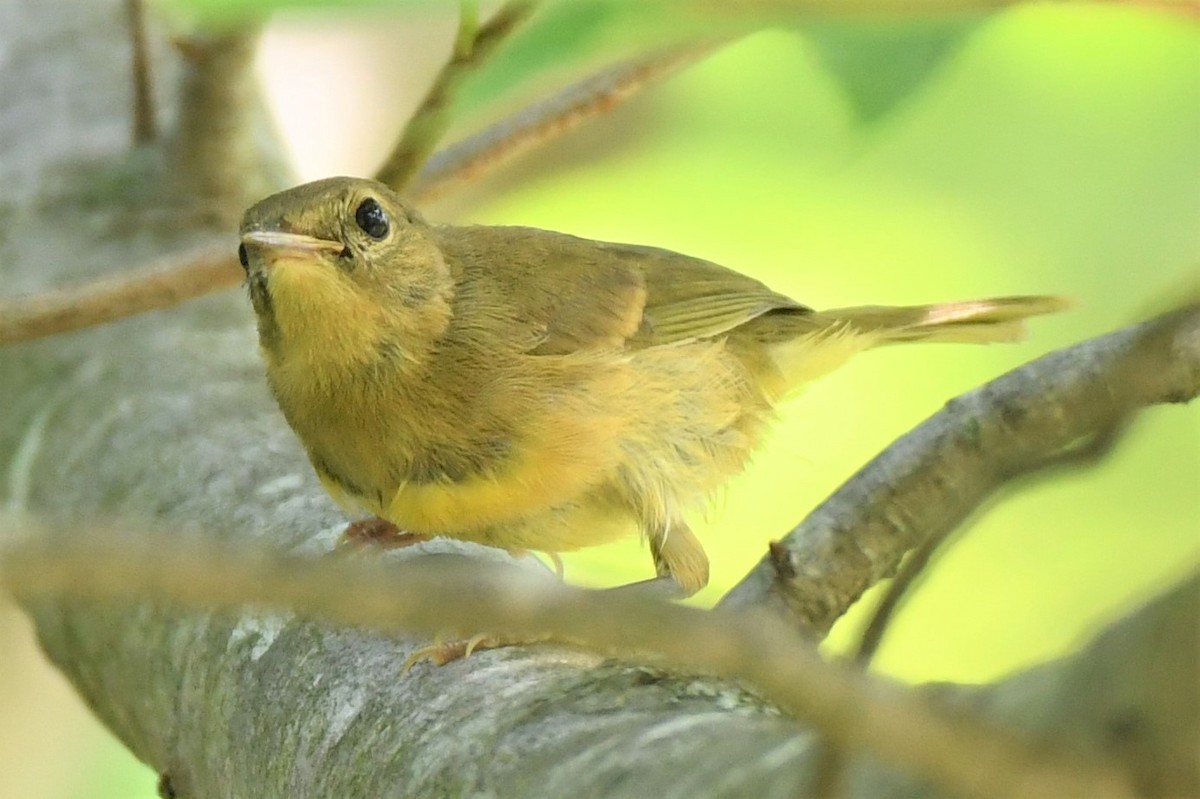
pixel 879 64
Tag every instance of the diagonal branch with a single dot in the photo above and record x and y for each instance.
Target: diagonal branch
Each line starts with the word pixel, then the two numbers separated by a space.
pixel 160 285
pixel 472 47
pixel 929 481
pixel 548 119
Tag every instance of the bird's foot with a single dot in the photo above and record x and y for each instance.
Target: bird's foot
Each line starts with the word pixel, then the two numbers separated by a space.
pixel 553 557
pixel 377 532
pixel 559 571
pixel 439 653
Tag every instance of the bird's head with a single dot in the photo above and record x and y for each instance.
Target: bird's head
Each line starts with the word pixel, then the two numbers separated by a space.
pixel 342 268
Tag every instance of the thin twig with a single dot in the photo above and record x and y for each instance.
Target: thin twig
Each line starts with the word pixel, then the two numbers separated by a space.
pixel 145 122
pixel 111 298
pixel 431 593
pixel 472 46
pixel 885 610
pixel 548 119
pixel 925 484
pixel 1089 453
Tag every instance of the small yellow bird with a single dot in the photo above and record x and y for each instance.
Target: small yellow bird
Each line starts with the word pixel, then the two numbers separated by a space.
pixel 527 389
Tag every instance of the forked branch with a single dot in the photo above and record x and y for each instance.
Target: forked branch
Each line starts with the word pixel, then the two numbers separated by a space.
pixel 925 484
pixel 472 46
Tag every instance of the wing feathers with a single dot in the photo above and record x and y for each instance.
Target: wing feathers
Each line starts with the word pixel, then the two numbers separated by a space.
pixel 565 294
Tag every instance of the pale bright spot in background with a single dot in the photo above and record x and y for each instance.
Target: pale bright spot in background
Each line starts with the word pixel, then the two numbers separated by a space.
pixel 339 93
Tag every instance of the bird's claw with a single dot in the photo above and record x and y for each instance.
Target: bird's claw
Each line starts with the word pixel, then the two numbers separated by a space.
pixel 439 653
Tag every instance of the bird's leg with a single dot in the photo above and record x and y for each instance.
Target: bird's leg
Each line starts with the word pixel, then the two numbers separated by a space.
pixel 439 653
pixel 680 562
pixel 377 532
pixel 682 570
pixel 559 571
pixel 554 558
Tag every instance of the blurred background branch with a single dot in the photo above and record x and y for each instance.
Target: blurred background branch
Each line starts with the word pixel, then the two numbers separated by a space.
pixel 145 115
pixel 182 278
pixel 425 128
pixel 216 158
pixel 547 119
pixel 107 299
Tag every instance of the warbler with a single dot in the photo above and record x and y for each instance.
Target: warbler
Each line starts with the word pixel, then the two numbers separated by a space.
pixel 532 390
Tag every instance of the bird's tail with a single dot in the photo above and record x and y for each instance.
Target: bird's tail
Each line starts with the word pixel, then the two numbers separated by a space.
pixel 824 340
pixel 970 322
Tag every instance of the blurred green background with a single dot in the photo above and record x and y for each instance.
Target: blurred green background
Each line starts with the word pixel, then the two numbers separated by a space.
pixel 1042 149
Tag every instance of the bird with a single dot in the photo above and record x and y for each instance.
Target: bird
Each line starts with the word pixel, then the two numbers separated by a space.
pixel 532 390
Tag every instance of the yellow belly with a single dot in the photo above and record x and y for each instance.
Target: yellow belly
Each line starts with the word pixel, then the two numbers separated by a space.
pixel 678 421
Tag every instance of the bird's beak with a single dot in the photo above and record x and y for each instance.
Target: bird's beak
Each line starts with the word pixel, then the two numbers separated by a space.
pixel 279 245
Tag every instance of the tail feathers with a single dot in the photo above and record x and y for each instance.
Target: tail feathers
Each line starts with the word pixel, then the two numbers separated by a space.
pixel 971 322
pixel 808 346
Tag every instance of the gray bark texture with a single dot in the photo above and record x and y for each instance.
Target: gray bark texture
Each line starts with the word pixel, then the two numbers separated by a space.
pixel 166 418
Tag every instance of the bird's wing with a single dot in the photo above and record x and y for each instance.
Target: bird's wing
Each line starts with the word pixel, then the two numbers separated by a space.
pixel 690 298
pixel 569 294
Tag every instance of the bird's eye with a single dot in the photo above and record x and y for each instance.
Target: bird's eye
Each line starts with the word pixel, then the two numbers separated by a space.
pixel 371 218
pixel 243 257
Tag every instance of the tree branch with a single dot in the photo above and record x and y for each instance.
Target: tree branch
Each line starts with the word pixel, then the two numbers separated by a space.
pixel 472 47
pixel 86 639
pixel 145 121
pixel 929 481
pixel 853 8
pixel 431 594
pixel 548 119
pixel 216 158
pixel 161 285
